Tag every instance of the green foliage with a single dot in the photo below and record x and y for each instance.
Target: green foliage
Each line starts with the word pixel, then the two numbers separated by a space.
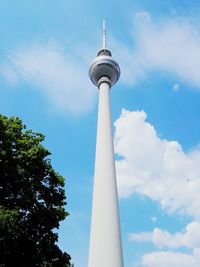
pixel 32 199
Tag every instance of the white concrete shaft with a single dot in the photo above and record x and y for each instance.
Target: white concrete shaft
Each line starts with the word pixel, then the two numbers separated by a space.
pixel 105 239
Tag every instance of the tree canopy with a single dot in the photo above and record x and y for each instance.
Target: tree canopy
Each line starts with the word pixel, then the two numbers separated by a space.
pixel 32 199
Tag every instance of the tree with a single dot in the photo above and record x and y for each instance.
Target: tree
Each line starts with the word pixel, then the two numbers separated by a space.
pixel 32 200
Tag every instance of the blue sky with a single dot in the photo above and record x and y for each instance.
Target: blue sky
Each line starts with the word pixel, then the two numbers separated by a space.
pixel 45 51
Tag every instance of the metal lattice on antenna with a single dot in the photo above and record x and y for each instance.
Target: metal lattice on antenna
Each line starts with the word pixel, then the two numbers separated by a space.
pixel 104 34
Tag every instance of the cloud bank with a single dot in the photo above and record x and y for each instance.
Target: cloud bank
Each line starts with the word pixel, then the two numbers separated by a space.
pixel 59 75
pixel 162 171
pixel 170 45
pixel 150 165
pixel 166 259
pixel 155 167
pixel 188 238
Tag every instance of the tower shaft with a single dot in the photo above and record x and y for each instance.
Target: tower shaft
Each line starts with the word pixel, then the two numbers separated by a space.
pixel 105 239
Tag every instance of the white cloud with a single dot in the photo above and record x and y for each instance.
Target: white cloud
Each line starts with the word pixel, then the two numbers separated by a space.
pixel 162 171
pixel 166 259
pixel 155 167
pixel 141 237
pixel 189 237
pixel 60 76
pixel 171 45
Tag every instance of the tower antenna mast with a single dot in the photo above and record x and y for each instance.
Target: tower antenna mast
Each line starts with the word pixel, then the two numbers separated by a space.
pixel 104 34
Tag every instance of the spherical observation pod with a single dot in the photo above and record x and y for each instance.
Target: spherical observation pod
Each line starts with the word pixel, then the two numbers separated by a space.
pixel 104 66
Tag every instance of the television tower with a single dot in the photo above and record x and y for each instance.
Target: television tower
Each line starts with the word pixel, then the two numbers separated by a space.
pixel 105 238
